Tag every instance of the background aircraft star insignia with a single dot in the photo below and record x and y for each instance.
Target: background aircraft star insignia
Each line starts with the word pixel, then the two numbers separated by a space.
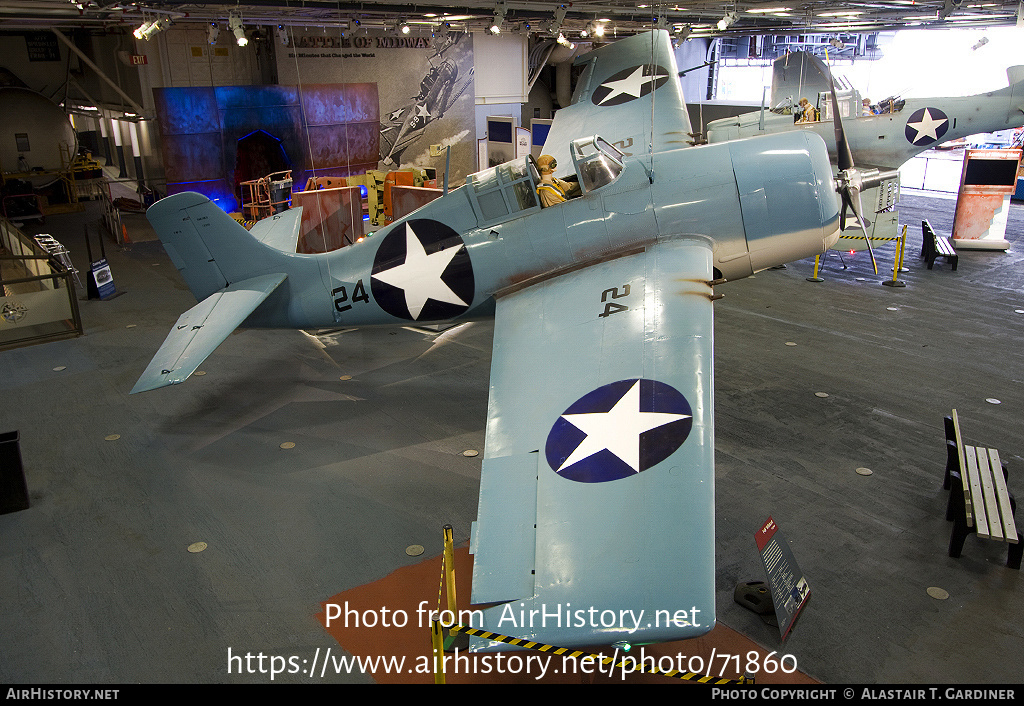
pixel 629 84
pixel 422 272
pixel 618 430
pixel 926 125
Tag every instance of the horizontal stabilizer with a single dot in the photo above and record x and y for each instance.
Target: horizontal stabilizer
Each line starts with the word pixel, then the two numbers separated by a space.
pixel 204 327
pixel 280 231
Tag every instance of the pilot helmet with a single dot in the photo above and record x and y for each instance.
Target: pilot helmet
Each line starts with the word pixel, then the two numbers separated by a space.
pixel 546 163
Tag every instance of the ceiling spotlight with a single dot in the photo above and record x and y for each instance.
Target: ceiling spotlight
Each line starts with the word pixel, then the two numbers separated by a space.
pixel 836 43
pixel 282 34
pixel 212 33
pixel 565 42
pixel 235 25
pixel 404 28
pixel 598 30
pixel 555 26
pixel 727 21
pixel 140 29
pixel 499 18
pixel 147 30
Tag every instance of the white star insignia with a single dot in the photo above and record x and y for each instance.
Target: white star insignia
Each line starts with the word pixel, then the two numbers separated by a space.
pixel 420 275
pixel 928 126
pixel 631 85
pixel 617 430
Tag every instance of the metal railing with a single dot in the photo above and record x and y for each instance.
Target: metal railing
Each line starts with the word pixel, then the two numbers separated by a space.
pixel 37 292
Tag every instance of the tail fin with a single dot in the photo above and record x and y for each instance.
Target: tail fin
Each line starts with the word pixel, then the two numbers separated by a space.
pixel 209 248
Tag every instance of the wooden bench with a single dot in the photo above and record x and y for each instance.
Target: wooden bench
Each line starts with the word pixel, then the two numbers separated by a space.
pixel 934 245
pixel 978 500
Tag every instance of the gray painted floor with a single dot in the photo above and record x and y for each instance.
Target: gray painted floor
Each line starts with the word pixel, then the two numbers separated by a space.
pixel 97 585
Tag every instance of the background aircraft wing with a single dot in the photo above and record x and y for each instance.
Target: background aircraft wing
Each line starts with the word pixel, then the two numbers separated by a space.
pixel 597 489
pixel 202 328
pixel 616 96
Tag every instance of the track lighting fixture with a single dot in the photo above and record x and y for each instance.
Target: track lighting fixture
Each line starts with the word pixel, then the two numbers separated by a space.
pixel 728 20
pixel 212 33
pixel 499 18
pixel 282 34
pixel 147 29
pixel 555 26
pixel 235 25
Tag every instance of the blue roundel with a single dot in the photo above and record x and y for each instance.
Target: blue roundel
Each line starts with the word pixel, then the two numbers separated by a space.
pixel 926 125
pixel 618 430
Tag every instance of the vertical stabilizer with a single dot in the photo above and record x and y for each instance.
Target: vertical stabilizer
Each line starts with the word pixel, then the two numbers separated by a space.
pixel 209 248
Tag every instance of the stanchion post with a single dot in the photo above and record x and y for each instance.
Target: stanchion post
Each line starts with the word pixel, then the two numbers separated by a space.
pixel 898 263
pixel 449 569
pixel 437 644
pixel 454 639
pixel 815 278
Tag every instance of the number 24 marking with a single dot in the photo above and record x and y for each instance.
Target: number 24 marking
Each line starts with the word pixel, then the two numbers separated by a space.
pixel 612 307
pixel 341 296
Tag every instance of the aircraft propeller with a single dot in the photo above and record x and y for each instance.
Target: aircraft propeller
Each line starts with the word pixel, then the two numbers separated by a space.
pixel 852 180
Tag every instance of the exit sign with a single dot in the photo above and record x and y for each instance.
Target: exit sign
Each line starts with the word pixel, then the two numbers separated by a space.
pixel 139 59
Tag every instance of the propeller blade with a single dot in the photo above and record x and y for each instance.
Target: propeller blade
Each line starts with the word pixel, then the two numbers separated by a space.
pixel 843 153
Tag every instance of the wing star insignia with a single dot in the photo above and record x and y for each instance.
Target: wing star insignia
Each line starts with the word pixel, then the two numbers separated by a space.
pixel 618 430
pixel 926 125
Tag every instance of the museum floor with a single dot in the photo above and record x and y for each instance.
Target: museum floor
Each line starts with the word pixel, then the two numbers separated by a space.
pixel 97 584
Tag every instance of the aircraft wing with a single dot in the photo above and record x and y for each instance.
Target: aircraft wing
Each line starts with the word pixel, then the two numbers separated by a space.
pixel 202 328
pixel 596 521
pixel 616 96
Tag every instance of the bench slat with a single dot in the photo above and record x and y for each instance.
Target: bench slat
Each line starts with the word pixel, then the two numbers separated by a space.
pixel 986 472
pixel 1009 526
pixel 976 499
pixel 963 469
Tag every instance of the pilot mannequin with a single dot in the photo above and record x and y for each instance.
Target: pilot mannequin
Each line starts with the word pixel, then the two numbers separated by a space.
pixel 552 190
pixel 808 113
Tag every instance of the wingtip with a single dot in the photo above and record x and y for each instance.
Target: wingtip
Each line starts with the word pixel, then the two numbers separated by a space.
pixel 145 384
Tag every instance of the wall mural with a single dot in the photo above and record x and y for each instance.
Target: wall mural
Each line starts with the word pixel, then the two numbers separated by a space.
pixel 424 87
pixel 215 138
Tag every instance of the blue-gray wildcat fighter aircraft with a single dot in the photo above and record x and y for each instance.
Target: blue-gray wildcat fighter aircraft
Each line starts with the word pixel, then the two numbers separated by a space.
pixel 596 520
pixel 883 137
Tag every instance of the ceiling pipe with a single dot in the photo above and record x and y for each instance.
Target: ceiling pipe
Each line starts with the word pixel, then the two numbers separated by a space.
pixel 67 42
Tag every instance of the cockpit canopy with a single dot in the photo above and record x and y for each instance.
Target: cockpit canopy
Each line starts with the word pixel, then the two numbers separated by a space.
pixel 509 190
pixel 597 162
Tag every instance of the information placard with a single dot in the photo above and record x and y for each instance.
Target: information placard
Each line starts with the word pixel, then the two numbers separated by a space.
pixel 101 278
pixel 788 586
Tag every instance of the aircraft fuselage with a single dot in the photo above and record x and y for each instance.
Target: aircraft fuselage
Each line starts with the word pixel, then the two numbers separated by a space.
pixel 446 262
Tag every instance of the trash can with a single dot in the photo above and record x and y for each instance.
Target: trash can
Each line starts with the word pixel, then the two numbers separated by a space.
pixel 13 489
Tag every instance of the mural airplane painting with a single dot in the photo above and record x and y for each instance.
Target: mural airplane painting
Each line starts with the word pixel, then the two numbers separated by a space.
pixel 883 140
pixel 439 89
pixel 596 516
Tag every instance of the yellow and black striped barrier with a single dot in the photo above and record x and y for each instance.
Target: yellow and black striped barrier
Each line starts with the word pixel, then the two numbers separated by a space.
pixel 611 663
